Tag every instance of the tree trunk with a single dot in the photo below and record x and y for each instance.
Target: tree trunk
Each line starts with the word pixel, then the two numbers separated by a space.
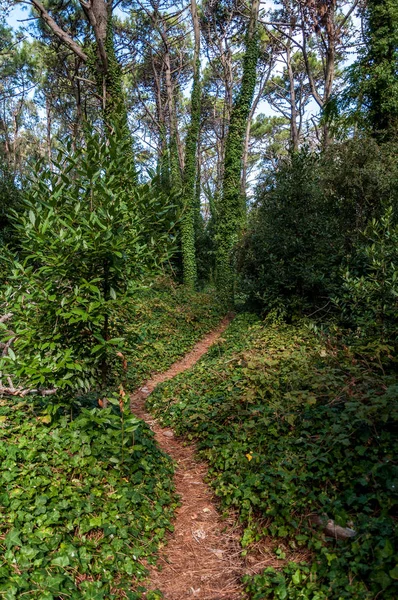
pixel 253 109
pixel 379 78
pixel 231 211
pixel 79 109
pixel 48 129
pixel 106 69
pixel 294 138
pixel 226 61
pixel 189 177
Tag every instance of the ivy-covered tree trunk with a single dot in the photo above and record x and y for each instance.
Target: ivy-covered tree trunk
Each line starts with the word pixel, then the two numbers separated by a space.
pixel 380 64
pixel 231 210
pixel 189 178
pixel 115 109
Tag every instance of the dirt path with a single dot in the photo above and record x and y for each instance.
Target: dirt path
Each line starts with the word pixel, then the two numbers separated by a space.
pixel 202 558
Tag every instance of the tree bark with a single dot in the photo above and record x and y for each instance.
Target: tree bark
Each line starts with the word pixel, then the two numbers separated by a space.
pixel 107 70
pixel 294 138
pixel 48 129
pixel 253 109
pixel 60 33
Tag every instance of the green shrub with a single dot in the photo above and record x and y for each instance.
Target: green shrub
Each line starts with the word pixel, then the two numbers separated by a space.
pixel 10 197
pixel 308 217
pixel 87 243
pixel 290 253
pixel 369 296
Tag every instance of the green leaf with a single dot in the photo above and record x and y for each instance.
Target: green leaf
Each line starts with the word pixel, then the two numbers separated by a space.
pixel 115 341
pixel 13 539
pixel 11 354
pixel 60 561
pixel 97 348
pixel 114 401
pixel 46 419
pixel 296 577
pixel 394 572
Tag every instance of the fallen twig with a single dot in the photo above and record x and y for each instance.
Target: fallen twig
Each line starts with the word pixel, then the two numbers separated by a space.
pixel 22 392
pixel 5 318
pixel 331 529
pixel 6 346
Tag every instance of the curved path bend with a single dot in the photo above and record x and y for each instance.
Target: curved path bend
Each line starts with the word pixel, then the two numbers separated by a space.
pixel 202 558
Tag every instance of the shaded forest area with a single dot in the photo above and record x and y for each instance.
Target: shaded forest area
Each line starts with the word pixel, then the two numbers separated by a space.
pixel 162 165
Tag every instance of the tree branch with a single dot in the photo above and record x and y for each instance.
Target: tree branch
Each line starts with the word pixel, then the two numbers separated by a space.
pixel 11 391
pixel 60 33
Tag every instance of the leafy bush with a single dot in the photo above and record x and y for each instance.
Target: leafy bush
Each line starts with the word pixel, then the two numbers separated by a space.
pixel 9 200
pixel 293 425
pixel 290 253
pixel 90 499
pixel 369 296
pixel 86 243
pixel 308 217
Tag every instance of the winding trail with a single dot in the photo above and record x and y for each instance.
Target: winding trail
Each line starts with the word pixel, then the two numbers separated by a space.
pixel 202 558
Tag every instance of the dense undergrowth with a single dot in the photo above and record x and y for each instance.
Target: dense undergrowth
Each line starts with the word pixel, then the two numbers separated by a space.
pixel 295 425
pixel 168 320
pixel 85 495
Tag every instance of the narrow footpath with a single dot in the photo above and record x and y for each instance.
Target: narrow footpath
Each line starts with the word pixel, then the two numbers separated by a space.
pixel 202 557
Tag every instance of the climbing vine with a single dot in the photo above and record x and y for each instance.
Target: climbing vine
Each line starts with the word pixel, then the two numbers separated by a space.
pixel 188 220
pixel 373 90
pixel 381 88
pixel 231 208
pixel 109 83
pixel 115 105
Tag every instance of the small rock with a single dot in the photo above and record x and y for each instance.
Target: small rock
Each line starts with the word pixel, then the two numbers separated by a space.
pixel 199 534
pixel 168 434
pixel 218 553
pixel 194 592
pixel 206 510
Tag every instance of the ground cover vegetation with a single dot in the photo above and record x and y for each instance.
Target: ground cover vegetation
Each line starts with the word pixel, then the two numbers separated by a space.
pixel 86 494
pixel 294 425
pixel 136 168
pixel 83 501
pixel 90 308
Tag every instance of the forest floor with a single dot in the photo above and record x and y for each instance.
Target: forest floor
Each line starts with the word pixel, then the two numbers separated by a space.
pixel 203 555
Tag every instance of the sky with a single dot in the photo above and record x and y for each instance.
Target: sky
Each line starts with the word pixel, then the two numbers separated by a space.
pixel 17 13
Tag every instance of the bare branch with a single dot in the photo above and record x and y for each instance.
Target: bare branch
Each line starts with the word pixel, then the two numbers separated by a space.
pixel 344 21
pixel 22 392
pixel 60 33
